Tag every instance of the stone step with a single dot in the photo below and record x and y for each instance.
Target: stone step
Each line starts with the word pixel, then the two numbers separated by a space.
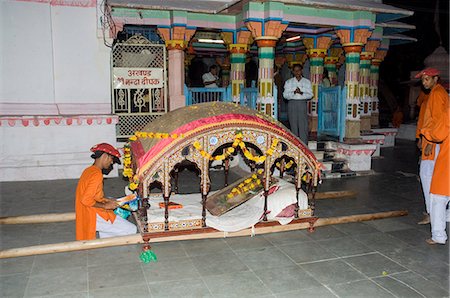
pixel 338 174
pixel 334 165
pixel 318 154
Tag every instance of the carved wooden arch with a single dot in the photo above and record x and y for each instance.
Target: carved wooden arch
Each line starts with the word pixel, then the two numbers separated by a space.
pixel 215 137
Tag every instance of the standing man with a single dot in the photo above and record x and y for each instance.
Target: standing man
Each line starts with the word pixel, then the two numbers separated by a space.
pixel 94 212
pixel 210 78
pixel 431 110
pixel 298 91
pixel 439 132
pixel 426 165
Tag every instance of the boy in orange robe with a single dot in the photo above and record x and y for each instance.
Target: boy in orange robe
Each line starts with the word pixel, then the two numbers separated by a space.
pixel 94 212
pixel 429 110
pixel 436 130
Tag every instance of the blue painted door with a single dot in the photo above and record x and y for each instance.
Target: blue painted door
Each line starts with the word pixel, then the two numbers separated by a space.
pixel 331 113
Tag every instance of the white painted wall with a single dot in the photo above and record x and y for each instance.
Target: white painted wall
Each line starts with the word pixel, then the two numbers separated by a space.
pixel 53 64
pixel 27 53
pixel 54 56
pixel 50 152
pixel 82 62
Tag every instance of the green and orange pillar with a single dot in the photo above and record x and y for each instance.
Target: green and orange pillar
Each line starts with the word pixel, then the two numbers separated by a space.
pixel 380 54
pixel 238 46
pixel 317 47
pixel 266 35
pixel 352 40
pixel 330 63
pixel 364 90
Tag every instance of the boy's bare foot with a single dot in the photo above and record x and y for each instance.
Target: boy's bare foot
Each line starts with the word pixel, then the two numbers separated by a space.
pixel 432 242
pixel 425 220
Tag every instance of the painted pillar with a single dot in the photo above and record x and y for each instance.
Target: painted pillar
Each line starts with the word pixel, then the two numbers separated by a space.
pixel 364 90
pixel 330 65
pixel 266 35
pixel 224 64
pixel 352 41
pixel 238 46
pixel 317 47
pixel 331 62
pixel 176 39
pixel 296 58
pixel 237 74
pixel 266 56
pixel 374 75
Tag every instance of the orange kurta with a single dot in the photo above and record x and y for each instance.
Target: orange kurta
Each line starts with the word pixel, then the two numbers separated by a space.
pixel 438 131
pixel 90 191
pixel 433 110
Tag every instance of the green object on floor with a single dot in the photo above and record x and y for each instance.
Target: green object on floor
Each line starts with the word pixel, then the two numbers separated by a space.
pixel 148 256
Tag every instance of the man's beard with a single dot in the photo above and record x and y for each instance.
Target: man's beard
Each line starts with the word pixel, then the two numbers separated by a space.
pixel 107 170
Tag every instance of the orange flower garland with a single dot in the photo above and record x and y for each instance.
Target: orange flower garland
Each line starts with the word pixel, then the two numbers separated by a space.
pixel 244 187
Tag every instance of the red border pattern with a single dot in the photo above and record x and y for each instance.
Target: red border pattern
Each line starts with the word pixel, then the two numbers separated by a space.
pixel 353 152
pixel 58 120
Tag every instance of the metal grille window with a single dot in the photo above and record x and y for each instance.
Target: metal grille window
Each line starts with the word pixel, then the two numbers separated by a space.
pixel 138 83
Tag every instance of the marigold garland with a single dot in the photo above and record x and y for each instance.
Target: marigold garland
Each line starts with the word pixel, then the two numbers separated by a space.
pixel 286 166
pixel 154 135
pixel 247 185
pixel 238 141
pixel 128 170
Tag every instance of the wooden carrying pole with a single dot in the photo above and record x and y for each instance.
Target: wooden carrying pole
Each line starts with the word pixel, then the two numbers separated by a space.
pixel 135 239
pixel 37 218
pixel 335 194
pixel 61 217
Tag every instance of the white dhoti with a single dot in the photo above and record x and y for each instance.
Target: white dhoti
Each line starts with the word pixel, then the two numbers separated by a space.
pixel 120 227
pixel 426 173
pixel 438 216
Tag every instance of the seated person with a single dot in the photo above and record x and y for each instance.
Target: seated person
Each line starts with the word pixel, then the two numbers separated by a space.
pixel 94 212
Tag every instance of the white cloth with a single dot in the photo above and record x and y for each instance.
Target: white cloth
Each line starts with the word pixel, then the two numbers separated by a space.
pixel 120 227
pixel 426 173
pixel 438 214
pixel 239 218
pixel 208 77
pixel 291 85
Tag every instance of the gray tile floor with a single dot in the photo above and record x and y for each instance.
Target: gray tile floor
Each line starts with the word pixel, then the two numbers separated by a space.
pixel 382 258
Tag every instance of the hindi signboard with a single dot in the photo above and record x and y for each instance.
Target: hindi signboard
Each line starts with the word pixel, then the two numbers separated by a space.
pixel 137 78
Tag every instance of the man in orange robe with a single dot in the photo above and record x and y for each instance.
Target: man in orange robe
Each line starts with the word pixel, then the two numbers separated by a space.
pixel 436 130
pixel 94 212
pixel 428 111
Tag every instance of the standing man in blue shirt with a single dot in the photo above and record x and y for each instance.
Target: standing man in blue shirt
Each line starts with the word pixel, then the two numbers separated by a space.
pixel 298 91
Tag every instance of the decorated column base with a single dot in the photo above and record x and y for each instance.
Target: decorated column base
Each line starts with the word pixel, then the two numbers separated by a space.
pixel 374 120
pixel 376 139
pixel 358 156
pixel 352 129
pixel 312 124
pixel 52 147
pixel 389 134
pixel 365 123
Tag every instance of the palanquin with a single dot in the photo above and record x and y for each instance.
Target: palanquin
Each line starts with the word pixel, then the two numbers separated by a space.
pixel 212 133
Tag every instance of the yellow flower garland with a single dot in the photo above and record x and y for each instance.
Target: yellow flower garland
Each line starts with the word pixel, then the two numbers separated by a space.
pixel 244 187
pixel 237 142
pixel 154 135
pixel 286 166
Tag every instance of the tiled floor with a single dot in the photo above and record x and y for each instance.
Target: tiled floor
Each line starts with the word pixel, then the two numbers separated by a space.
pixel 382 258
